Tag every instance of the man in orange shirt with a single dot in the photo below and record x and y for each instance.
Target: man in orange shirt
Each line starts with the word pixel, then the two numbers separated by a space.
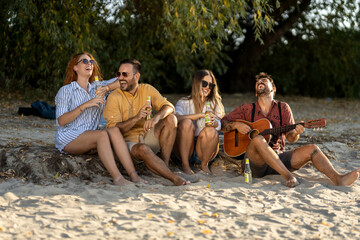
pixel 126 108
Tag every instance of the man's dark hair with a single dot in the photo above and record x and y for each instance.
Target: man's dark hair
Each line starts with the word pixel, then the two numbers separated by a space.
pixel 136 64
pixel 265 75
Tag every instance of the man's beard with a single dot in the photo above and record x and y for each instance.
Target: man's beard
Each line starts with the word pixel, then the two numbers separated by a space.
pixel 264 91
pixel 129 86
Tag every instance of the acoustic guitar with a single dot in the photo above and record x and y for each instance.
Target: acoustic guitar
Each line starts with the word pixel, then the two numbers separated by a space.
pixel 235 143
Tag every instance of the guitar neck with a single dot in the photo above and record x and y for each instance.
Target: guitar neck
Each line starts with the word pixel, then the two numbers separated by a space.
pixel 278 130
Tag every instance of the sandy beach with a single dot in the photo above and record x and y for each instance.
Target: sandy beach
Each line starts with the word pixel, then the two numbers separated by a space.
pixel 220 206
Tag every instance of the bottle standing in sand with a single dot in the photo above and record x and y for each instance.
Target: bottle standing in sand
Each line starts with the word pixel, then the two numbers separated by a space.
pixel 247 172
pixel 208 122
pixel 149 107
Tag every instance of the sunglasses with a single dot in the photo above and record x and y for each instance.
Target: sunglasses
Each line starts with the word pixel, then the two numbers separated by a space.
pixel 125 74
pixel 204 84
pixel 85 61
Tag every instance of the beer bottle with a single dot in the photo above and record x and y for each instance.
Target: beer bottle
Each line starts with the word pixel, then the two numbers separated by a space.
pixel 149 107
pixel 97 84
pixel 247 172
pixel 208 123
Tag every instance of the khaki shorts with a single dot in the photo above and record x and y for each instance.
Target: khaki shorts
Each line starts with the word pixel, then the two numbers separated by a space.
pixel 149 140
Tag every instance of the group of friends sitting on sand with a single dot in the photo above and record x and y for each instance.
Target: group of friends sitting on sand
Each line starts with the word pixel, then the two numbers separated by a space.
pixel 143 126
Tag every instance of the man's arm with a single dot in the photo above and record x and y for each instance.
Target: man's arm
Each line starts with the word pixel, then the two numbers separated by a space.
pixel 294 135
pixel 165 111
pixel 125 126
pixel 288 119
pixel 227 126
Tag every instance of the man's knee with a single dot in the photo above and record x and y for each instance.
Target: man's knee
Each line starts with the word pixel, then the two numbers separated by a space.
pixel 313 150
pixel 171 121
pixel 140 151
pixel 256 141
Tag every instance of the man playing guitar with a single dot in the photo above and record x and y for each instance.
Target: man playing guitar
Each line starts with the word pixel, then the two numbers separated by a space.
pixel 270 158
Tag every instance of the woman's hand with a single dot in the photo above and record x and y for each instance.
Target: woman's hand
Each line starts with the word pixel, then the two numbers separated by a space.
pixel 213 118
pixel 199 115
pixel 101 91
pixel 95 102
pixel 70 116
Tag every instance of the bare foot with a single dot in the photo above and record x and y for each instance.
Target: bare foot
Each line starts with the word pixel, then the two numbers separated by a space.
pixel 137 179
pixel 121 181
pixel 205 169
pixel 292 182
pixel 349 178
pixel 179 181
pixel 187 170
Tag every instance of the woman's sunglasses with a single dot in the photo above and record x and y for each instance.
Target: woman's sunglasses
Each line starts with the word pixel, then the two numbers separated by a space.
pixel 86 62
pixel 204 84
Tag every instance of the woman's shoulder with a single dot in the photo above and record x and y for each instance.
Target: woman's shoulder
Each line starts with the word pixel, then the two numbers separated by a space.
pixel 66 88
pixel 185 99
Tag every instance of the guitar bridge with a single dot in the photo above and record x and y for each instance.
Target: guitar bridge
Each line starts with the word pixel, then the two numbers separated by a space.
pixel 236 138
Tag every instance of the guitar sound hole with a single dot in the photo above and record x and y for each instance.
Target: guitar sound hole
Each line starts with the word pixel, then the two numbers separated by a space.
pixel 253 133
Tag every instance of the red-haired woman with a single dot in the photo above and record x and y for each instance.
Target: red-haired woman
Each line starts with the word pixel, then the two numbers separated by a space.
pixel 78 112
pixel 195 142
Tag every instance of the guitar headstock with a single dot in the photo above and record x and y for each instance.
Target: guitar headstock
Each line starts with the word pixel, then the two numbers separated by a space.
pixel 317 123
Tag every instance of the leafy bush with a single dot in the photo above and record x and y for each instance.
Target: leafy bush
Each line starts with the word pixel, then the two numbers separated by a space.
pixel 326 66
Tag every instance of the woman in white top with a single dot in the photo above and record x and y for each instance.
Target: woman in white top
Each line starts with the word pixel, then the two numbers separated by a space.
pixel 195 142
pixel 78 112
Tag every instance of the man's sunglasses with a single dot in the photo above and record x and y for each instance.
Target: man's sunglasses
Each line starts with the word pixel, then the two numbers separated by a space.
pixel 86 62
pixel 125 74
pixel 204 84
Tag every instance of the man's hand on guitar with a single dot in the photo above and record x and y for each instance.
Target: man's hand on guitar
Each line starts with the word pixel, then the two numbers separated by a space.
pixel 241 127
pixel 293 135
pixel 299 129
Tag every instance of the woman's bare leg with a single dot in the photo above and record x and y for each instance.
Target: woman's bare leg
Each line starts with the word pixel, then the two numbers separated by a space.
pixel 122 152
pixel 207 146
pixel 100 140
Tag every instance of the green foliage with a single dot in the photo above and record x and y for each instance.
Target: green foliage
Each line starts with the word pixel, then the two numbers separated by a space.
pixel 39 38
pixel 173 39
pixel 325 66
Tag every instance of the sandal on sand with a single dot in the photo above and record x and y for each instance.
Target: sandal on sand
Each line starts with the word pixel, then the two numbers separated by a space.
pixel 292 182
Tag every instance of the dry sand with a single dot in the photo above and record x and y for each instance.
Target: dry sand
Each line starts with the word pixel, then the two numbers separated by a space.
pixel 217 207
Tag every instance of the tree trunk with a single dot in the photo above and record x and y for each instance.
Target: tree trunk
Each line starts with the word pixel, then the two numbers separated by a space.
pixel 241 74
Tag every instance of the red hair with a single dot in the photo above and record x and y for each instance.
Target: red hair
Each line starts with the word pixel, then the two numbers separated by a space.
pixel 71 74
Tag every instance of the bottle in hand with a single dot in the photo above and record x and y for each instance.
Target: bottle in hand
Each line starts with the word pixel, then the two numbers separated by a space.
pixel 208 122
pixel 149 107
pixel 97 83
pixel 247 172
